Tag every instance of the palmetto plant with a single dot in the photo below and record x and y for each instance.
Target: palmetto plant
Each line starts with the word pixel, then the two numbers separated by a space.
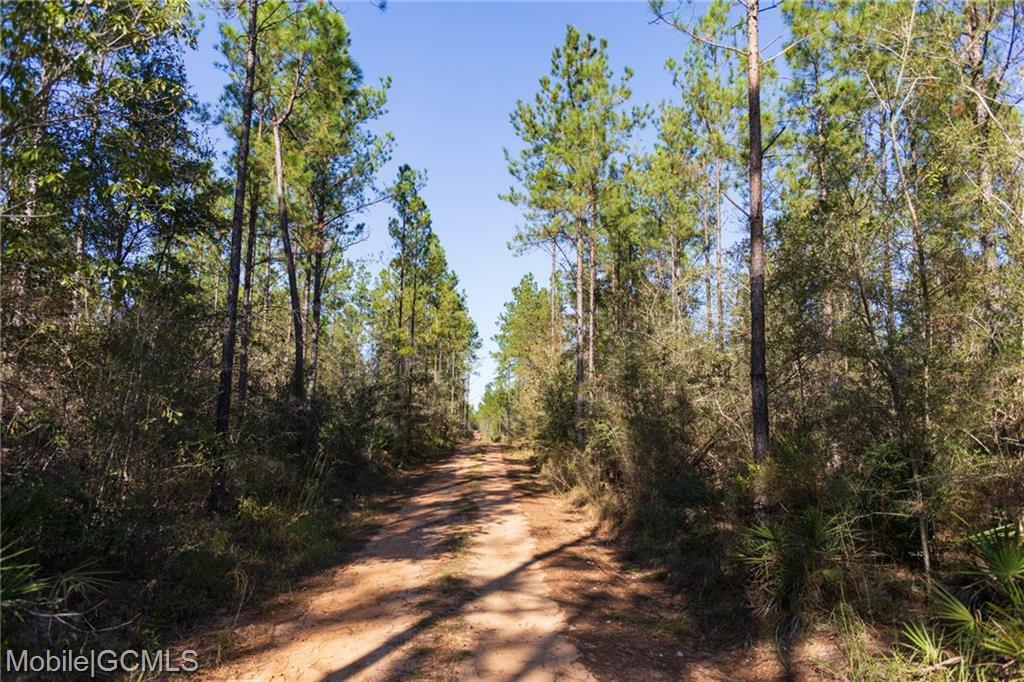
pixel 982 633
pixel 24 592
pixel 794 561
pixel 19 580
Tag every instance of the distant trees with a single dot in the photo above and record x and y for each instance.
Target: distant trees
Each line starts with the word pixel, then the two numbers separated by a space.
pixel 513 400
pixel 424 336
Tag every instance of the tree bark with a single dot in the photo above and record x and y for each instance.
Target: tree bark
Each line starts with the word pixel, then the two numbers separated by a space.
pixel 313 324
pixel 673 274
pixel 314 329
pixel 977 36
pixel 758 378
pixel 409 373
pixel 718 254
pixel 246 331
pixel 552 295
pixel 402 260
pixel 400 360
pixel 580 431
pixel 708 306
pixel 820 162
pixel 592 306
pixel 307 284
pixel 238 213
pixel 289 259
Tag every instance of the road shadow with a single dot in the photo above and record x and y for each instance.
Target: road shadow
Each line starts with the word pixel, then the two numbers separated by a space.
pixel 435 617
pixel 681 617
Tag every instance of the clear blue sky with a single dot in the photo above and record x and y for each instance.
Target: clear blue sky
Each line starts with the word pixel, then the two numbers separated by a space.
pixel 457 69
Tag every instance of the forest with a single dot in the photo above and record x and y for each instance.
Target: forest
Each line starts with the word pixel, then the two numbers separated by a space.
pixel 836 399
pixel 197 381
pixel 779 352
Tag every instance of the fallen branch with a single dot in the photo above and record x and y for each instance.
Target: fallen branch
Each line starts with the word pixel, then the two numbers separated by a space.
pixel 940 665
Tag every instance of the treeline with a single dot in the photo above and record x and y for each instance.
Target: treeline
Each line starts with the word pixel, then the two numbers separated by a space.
pixel 198 382
pixel 828 412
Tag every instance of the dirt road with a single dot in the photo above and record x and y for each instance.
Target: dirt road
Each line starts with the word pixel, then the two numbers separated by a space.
pixel 479 575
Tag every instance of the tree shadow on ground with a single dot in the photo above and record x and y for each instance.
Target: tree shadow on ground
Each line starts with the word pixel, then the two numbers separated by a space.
pixel 633 615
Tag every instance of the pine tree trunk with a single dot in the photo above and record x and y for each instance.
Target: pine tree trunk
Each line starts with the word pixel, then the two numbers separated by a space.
pixel 580 432
pixel 828 312
pixel 673 272
pixel 718 254
pixel 268 280
pixel 307 286
pixel 592 306
pixel 758 379
pixel 312 425
pixel 709 308
pixel 919 457
pixel 238 215
pixel 887 250
pixel 553 299
pixel 400 361
pixel 246 331
pixel 314 328
pixel 977 38
pixel 409 375
pixel 918 460
pixel 289 259
pixel 402 260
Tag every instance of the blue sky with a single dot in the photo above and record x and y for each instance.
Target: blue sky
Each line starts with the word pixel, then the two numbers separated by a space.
pixel 457 70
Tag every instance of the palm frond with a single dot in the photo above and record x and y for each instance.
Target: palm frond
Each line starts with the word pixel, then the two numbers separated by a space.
pixel 954 612
pixel 923 642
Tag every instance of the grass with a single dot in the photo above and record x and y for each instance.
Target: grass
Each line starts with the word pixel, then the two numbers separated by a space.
pixel 458 542
pixel 223 564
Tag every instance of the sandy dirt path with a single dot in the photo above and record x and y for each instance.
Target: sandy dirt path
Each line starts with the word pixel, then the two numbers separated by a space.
pixel 448 588
pixel 480 573
pixel 515 627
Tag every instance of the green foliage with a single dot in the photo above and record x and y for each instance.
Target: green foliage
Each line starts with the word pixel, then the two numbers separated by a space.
pixel 982 630
pixel 114 260
pixel 893 302
pixel 26 595
pixel 21 582
pixel 423 337
pixel 799 564
pixel 924 643
pixel 511 405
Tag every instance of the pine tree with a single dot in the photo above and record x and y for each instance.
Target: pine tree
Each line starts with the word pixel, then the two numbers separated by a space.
pixel 572 134
pixel 238 214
